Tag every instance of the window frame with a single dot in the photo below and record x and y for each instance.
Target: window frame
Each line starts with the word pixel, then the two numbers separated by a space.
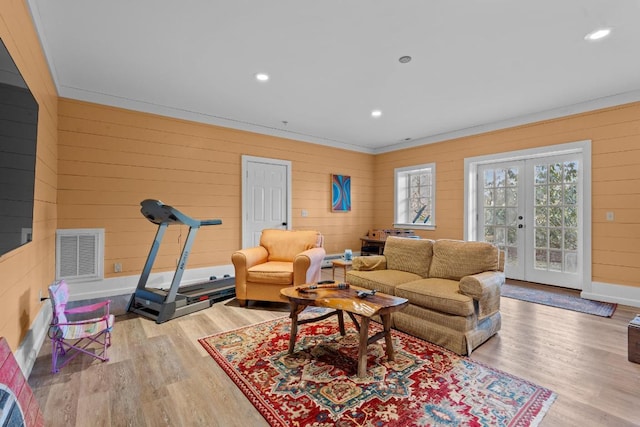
pixel 401 198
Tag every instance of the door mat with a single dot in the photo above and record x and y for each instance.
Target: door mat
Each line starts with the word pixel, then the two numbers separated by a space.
pixel 568 302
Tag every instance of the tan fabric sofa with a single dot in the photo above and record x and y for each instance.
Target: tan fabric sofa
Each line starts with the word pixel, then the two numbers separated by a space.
pixel 284 258
pixel 453 288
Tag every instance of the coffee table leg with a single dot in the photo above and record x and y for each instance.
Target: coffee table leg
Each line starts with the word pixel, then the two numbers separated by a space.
pixel 354 320
pixel 362 349
pixel 341 322
pixel 295 310
pixel 386 323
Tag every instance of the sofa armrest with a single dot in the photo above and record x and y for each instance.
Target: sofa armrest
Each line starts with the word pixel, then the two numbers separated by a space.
pixel 485 289
pixel 369 263
pixel 307 266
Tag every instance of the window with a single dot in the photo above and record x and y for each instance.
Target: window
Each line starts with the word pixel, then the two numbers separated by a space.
pixel 415 196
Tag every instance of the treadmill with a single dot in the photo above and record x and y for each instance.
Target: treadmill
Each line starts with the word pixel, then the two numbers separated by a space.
pixel 163 305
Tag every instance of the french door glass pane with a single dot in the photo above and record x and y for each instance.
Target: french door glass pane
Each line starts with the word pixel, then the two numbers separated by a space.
pixel 541 237
pixel 488 234
pixel 541 259
pixel 488 216
pixel 571 262
pixel 500 197
pixel 571 239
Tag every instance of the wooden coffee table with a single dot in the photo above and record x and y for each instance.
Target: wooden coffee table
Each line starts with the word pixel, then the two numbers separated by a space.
pixel 346 300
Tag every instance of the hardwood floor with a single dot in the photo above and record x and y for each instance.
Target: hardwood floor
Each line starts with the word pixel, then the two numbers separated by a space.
pixel 158 375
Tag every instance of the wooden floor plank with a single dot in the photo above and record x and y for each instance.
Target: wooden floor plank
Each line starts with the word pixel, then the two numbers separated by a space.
pixel 92 411
pixel 161 375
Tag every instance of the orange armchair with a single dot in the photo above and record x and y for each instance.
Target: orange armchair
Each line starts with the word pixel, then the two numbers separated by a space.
pixel 284 258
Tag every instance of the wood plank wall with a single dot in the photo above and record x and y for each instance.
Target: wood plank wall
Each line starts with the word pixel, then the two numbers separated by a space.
pixel 111 159
pixel 615 136
pixel 28 270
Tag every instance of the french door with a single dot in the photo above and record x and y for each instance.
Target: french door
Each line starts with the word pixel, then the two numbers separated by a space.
pixel 532 209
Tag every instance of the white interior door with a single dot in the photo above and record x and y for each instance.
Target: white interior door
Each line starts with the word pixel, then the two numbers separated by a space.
pixel 533 210
pixel 266 197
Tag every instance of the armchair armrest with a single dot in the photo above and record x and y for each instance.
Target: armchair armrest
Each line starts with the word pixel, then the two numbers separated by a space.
pixel 243 260
pixel 368 263
pixel 247 258
pixel 485 289
pixel 307 265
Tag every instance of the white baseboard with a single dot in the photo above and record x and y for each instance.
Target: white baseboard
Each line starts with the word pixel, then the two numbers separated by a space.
pixel 326 262
pixel 607 292
pixel 127 284
pixel 29 348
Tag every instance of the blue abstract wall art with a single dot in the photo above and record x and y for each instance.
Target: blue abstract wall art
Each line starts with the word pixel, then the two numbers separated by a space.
pixel 340 193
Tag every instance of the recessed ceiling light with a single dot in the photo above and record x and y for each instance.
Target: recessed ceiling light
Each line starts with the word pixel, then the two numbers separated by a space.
pixel 598 34
pixel 376 113
pixel 262 77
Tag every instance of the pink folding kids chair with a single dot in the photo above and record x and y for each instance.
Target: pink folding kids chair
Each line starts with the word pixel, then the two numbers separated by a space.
pixel 67 335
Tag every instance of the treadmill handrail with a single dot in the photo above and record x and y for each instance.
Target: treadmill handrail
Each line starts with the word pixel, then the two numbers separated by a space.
pixel 159 213
pixel 204 222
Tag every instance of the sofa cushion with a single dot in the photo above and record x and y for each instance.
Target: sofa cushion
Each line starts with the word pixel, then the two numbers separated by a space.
pixel 284 245
pixel 454 259
pixel 384 281
pixel 272 273
pixel 437 294
pixel 410 255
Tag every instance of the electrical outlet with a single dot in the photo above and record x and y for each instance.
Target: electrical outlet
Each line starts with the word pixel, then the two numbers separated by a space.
pixel 117 267
pixel 304 213
pixel 610 216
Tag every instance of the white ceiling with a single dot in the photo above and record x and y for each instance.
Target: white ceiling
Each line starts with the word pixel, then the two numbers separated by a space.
pixel 477 65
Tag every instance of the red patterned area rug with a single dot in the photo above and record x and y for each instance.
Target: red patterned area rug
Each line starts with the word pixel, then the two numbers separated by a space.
pixel 317 386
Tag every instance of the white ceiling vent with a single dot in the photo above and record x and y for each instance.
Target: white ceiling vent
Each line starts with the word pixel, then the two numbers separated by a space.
pixel 79 254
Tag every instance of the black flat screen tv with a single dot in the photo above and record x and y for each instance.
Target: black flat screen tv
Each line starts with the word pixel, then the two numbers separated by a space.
pixel 18 139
